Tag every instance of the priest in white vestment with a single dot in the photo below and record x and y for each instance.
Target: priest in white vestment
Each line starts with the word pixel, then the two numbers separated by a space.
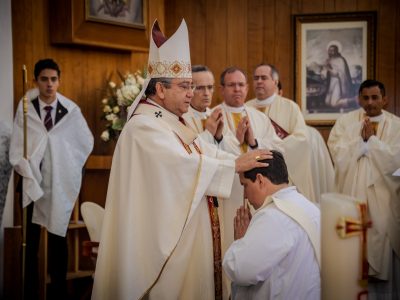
pixel 59 142
pixel 308 161
pixel 276 252
pixel 208 125
pixel 157 238
pixel 365 147
pixel 245 129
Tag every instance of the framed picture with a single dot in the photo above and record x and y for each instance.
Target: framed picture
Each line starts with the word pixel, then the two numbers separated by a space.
pixel 115 24
pixel 119 12
pixel 334 53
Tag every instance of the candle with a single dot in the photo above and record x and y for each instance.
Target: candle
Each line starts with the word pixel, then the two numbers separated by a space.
pixel 344 270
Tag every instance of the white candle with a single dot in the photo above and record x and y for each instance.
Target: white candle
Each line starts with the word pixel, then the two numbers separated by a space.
pixel 341 272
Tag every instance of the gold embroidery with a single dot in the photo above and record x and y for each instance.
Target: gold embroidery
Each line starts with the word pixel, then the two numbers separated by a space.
pixel 169 69
pixel 236 119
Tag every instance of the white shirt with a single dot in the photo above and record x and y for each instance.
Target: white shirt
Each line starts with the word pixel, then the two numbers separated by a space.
pixel 275 259
pixel 43 112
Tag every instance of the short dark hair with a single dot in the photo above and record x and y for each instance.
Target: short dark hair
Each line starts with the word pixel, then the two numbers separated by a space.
pixel 46 63
pixel 200 68
pixel 274 70
pixel 371 83
pixel 276 171
pixel 151 87
pixel 229 71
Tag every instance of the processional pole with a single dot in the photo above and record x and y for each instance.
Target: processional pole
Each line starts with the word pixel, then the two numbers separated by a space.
pixel 24 209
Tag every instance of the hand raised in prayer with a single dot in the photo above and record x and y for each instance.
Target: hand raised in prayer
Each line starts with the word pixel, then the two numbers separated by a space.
pixel 213 123
pixel 249 135
pixel 242 129
pixel 241 222
pixel 251 160
pixel 367 130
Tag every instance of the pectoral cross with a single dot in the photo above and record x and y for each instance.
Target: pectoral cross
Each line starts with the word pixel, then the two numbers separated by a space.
pixel 348 227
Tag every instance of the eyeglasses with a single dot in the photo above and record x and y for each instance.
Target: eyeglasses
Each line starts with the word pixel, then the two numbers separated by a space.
pixel 234 84
pixel 186 86
pixel 262 77
pixel 203 88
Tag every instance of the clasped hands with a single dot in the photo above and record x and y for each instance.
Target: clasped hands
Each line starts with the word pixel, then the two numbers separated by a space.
pixel 244 132
pixel 241 222
pixel 367 130
pixel 215 123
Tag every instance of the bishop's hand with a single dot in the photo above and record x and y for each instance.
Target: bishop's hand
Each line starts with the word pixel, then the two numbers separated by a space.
pixel 251 160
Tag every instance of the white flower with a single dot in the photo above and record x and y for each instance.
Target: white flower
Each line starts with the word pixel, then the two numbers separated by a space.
pixel 130 80
pixel 112 84
pixel 115 109
pixel 140 80
pixel 105 136
pixel 104 101
pixel 111 117
pixel 107 109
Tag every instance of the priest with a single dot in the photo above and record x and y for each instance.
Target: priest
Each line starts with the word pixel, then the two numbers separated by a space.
pixel 208 125
pixel 289 125
pixel 160 236
pixel 365 147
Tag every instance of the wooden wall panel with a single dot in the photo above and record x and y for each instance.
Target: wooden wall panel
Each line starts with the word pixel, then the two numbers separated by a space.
pixel 386 50
pixel 84 70
pixel 216 40
pixel 266 26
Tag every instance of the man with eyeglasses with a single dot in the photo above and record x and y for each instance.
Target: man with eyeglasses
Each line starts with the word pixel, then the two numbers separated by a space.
pixel 199 116
pixel 160 235
pixel 289 124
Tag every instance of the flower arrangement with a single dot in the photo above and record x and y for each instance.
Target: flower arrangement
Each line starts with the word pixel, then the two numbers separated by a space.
pixel 117 101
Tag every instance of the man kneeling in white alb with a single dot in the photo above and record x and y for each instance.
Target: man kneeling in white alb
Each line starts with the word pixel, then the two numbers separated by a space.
pixel 276 252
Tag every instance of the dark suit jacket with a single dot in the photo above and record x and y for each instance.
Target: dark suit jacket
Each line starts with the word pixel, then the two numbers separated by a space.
pixel 61 111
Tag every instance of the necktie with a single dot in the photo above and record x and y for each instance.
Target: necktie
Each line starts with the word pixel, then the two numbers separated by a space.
pixel 236 119
pixel 48 122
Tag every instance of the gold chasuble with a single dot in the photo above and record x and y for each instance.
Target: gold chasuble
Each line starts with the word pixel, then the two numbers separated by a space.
pixel 236 117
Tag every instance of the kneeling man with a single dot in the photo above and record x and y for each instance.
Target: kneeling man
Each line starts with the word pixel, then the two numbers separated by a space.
pixel 276 252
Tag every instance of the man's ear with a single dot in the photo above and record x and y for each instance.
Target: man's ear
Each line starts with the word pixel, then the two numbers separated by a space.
pixel 261 180
pixel 160 90
pixel 384 101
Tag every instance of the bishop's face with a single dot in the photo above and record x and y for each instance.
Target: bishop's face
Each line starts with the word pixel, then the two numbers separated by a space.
pixel 176 96
pixel 372 100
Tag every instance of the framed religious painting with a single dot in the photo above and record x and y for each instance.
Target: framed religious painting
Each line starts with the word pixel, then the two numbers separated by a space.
pixel 120 25
pixel 334 53
pixel 123 12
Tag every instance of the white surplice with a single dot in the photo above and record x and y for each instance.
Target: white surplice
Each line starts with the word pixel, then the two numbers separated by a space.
pixel 195 119
pixel 364 170
pixel 156 238
pixel 52 174
pixel 323 174
pixel 298 153
pixel 276 258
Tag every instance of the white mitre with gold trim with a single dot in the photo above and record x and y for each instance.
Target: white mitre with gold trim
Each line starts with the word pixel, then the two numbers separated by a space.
pixel 168 58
